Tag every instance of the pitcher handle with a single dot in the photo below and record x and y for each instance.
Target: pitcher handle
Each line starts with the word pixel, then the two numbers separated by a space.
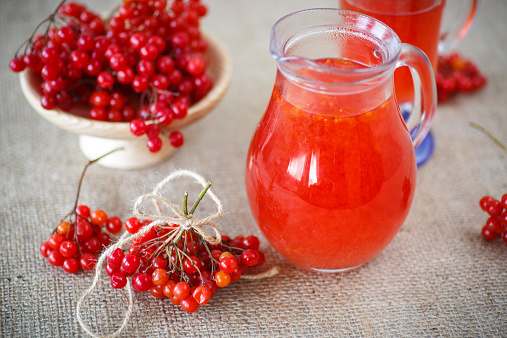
pixel 425 89
pixel 460 27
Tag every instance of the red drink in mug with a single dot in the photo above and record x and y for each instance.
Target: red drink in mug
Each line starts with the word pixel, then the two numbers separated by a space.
pixel 416 22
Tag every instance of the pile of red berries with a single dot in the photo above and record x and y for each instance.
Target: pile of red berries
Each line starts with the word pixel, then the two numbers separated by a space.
pixel 186 269
pixel 75 244
pixel 496 225
pixel 456 74
pixel 146 65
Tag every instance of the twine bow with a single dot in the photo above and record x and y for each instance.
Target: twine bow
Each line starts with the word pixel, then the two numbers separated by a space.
pixel 182 219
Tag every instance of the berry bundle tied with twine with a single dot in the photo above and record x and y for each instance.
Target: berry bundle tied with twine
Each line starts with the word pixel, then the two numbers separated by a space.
pixel 176 256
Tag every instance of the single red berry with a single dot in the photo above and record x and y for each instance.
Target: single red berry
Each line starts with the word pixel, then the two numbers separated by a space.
pixel 228 264
pixel 159 277
pixel 104 239
pixel 79 59
pixel 149 52
pixel 137 41
pixel 118 61
pixel 251 242
pixel 17 65
pixel 137 127
pixel 191 264
pixel 165 64
pixel 98 217
pixel 84 230
pixel 196 65
pixel 154 144
pixel 105 79
pixel 128 113
pixel 83 210
pixel 145 68
pixel 93 67
pixel 488 234
pixel 114 225
pixel 45 249
pixel 222 279
pixel 118 280
pixel 66 34
pixel 176 139
pixel 140 83
pixel 494 208
pixel 262 258
pixel 100 98
pixel 250 257
pixel 132 225
pixel 116 257
pixel 159 262
pixel 130 263
pixel 189 304
pixel 85 42
pixel 181 290
pixel 152 130
pixel 98 113
pixel 71 265
pixel 55 240
pixel 68 248
pixel 125 75
pixel 157 291
pixel 55 258
pixel 141 282
pixel 88 261
pixel 111 268
pixel 48 102
pixel 180 109
pixel 236 274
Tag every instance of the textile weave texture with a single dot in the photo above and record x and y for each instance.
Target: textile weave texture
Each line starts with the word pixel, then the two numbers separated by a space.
pixel 438 277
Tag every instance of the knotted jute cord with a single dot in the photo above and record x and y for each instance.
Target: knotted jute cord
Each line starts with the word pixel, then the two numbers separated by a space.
pixel 184 222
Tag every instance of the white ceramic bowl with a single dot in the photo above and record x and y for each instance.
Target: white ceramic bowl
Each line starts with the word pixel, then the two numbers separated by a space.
pixel 98 137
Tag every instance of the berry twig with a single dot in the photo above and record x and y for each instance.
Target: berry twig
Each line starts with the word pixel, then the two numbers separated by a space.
pixel 78 237
pixel 489 134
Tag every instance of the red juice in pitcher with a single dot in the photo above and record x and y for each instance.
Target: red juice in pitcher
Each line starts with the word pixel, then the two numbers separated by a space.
pixel 416 22
pixel 331 190
pixel 331 170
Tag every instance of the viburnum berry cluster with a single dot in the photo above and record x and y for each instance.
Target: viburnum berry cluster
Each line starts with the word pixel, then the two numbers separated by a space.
pixel 455 75
pixel 496 224
pixel 146 64
pixel 171 262
pixel 75 243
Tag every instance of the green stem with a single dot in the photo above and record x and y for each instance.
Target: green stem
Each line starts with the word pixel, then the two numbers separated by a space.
pixel 491 136
pixel 199 198
pixel 185 201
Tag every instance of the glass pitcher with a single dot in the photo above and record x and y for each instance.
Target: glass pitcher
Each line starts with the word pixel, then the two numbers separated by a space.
pixel 331 170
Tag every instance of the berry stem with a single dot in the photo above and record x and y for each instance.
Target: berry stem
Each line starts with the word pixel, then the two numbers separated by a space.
pixel 199 198
pixel 82 177
pixel 185 201
pixel 491 136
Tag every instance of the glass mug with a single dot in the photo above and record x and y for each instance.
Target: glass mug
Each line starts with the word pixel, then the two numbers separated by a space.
pixel 417 22
pixel 331 170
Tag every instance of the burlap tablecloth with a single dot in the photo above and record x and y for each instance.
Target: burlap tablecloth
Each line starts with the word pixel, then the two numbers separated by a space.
pixel 438 277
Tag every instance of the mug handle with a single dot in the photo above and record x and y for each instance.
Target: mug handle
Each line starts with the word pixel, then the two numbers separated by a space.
pixel 425 89
pixel 459 28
